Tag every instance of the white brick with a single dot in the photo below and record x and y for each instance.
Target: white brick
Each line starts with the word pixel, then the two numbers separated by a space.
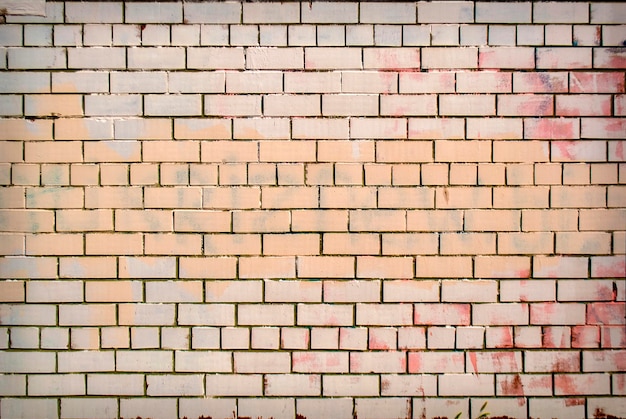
pixel 112 105
pixel 96 408
pixel 126 35
pixel 94 12
pixel 80 82
pixel 185 35
pixel 56 385
pixel 557 12
pixel 200 82
pixel 25 58
pixel 157 408
pixel 53 14
pixel 11 35
pixel 31 362
pixel 161 58
pixel 154 12
pixel 96 58
pixel 388 12
pixel 216 58
pixel 97 35
pixel 506 12
pixel 175 385
pixel 138 82
pixel 274 58
pixel 445 12
pixel 24 82
pixel 228 12
pixel 608 12
pixel 271 12
pixel 29 409
pixel 330 12
pixel 174 105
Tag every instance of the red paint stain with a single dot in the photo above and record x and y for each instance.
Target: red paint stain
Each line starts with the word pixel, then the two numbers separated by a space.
pixel 599 414
pixel 414 363
pixel 552 129
pixel 566 148
pixel 615 270
pixel 606 313
pixel 619 150
pixel 375 343
pixel 616 125
pixel 574 402
pixel 515 387
pixel 473 360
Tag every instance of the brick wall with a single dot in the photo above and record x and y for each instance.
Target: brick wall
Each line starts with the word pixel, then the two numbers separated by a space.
pixel 330 210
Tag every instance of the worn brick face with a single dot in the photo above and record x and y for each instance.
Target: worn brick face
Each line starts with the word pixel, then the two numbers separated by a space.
pixel 314 209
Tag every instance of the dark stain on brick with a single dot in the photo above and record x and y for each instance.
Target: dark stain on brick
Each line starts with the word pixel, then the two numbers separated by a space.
pixel 599 414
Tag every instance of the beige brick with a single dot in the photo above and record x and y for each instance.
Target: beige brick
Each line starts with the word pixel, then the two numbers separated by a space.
pixel 446 266
pixel 349 105
pixel 391 58
pixel 214 58
pixel 292 105
pixel 315 128
pixel 207 267
pixel 329 58
pixel 274 58
pixel 138 82
pixel 260 221
pixel 335 267
pixel 18 129
pixel 113 291
pixel 267 267
pixel 87 315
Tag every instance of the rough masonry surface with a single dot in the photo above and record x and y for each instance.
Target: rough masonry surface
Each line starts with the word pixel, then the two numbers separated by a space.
pixel 315 210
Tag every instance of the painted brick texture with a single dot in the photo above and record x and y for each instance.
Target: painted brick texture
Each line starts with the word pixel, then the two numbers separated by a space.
pixel 313 210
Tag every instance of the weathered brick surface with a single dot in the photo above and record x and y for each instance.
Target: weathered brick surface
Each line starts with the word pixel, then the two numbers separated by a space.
pixel 315 210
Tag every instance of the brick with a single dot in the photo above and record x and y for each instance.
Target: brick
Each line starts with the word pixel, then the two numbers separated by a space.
pixel 226 105
pixel 94 13
pixel 297 244
pixel 484 82
pixel 449 58
pixel 25 82
pixel 607 266
pixel 375 128
pixel 292 105
pixel 458 105
pixel 214 58
pixel 506 57
pixel 391 58
pixel 16 129
pixel 271 13
pixel 500 314
pixel 267 267
pixel 329 58
pixel 607 13
pixel 567 58
pixel 47 58
pixel 449 12
pixel 417 82
pixel 274 59
pixel 212 13
pixel 597 82
pixel 96 58
pixel 118 291
pixel 466 384
pixel 554 12
pixel 35 409
pixel 399 105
